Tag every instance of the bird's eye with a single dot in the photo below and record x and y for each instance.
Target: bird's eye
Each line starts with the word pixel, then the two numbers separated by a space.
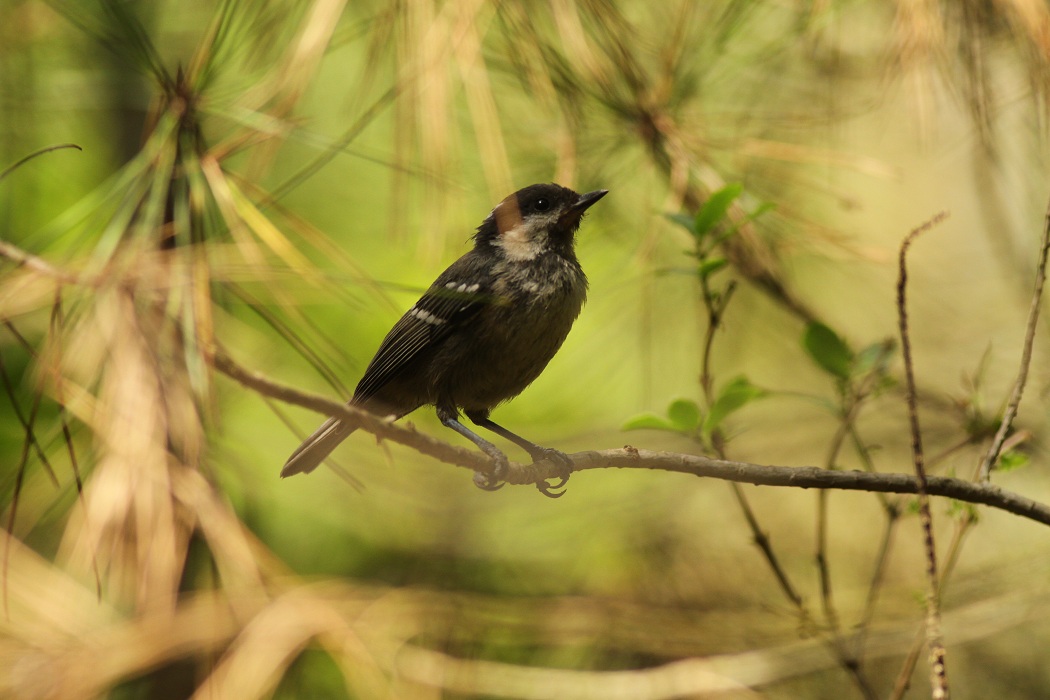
pixel 542 204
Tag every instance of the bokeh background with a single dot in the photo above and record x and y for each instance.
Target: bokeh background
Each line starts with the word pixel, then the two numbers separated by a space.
pixel 277 181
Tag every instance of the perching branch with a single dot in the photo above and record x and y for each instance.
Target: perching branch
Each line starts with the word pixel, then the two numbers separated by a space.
pixel 631 458
pixel 383 428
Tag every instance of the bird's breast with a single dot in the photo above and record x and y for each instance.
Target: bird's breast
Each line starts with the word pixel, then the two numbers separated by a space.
pixel 514 338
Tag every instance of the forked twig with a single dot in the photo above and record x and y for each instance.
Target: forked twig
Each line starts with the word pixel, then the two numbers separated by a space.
pixel 985 470
pixel 938 672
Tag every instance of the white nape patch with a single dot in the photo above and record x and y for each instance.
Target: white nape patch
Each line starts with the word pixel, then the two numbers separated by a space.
pixel 425 316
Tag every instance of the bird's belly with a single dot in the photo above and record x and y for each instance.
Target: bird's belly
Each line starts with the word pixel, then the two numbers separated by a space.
pixel 504 360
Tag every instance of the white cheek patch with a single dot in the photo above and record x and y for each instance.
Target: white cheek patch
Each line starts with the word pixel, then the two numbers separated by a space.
pixel 525 241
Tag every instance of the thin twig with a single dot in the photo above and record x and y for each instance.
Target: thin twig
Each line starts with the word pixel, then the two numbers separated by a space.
pixel 826 596
pixel 27 425
pixel 631 458
pixel 11 168
pixel 846 655
pixel 984 469
pixel 900 685
pixel 761 540
pixel 715 305
pixel 1026 357
pixel 27 443
pixel 938 672
pixel 877 576
pixel 56 328
pixel 892 511
pixel 36 264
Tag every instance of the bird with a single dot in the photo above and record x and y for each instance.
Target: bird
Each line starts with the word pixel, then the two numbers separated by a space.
pixel 481 333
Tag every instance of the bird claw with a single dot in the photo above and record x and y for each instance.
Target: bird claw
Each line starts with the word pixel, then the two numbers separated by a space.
pixel 493 481
pixel 560 459
pixel 487 482
pixel 551 490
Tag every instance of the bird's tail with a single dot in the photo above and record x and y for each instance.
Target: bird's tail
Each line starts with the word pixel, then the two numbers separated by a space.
pixel 317 447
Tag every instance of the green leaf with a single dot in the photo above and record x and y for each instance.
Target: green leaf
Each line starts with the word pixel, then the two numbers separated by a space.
pixel 647 421
pixel 684 415
pixel 748 218
pixel 734 396
pixel 684 220
pixel 1012 459
pixel 874 357
pixel 709 267
pixel 828 350
pixel 715 208
pixel 960 510
pixel 761 209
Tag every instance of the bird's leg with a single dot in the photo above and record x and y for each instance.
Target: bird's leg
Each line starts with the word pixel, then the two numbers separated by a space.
pixel 486 482
pixel 537 452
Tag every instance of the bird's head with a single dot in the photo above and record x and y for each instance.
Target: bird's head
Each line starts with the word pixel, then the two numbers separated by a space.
pixel 535 220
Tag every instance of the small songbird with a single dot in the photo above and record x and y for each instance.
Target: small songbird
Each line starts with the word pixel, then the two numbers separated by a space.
pixel 485 329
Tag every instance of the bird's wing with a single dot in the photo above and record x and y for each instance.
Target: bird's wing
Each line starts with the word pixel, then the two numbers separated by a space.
pixel 449 303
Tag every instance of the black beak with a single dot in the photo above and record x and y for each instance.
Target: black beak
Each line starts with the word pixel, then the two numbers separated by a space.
pixel 586 200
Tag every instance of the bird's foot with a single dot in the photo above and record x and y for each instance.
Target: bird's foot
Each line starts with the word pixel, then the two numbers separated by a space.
pixel 564 464
pixel 493 481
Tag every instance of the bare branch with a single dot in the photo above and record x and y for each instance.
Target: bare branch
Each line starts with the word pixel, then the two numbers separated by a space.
pixel 631 458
